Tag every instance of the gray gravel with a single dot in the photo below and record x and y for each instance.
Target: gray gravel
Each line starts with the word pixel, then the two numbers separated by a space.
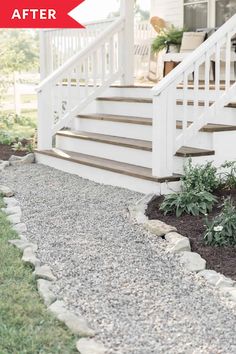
pixel 137 298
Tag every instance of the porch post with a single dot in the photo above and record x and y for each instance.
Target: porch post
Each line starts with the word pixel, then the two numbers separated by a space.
pixel 127 12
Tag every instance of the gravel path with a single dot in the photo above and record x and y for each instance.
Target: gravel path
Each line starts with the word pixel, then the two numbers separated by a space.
pixel 137 298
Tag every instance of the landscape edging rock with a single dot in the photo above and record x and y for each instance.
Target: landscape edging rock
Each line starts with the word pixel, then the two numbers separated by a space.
pixel 77 325
pixel 177 244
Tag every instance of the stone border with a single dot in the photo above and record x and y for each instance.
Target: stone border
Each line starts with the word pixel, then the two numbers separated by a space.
pixel 178 244
pixel 46 279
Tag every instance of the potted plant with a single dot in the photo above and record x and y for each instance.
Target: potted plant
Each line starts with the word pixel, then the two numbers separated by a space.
pixel 169 39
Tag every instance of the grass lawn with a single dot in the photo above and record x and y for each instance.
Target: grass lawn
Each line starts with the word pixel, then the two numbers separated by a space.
pixel 25 325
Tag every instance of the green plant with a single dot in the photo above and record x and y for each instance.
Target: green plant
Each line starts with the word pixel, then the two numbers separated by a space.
pixel 228 176
pixel 18 146
pixel 6 138
pixel 189 202
pixel 221 231
pixel 167 37
pixel 200 177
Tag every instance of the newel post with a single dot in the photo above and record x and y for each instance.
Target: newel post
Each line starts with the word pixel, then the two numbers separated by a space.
pixel 127 12
pixel 44 120
pixel 163 135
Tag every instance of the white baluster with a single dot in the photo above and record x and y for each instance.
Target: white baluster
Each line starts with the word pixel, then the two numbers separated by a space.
pixel 217 67
pixel 228 62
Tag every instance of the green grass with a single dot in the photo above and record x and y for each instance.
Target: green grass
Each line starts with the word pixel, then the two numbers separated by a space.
pixel 26 327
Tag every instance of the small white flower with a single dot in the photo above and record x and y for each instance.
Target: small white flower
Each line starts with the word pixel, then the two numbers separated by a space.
pixel 218 228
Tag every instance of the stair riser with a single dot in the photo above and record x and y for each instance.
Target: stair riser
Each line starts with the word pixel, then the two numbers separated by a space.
pixel 148 93
pixel 224 144
pixel 132 109
pixel 223 116
pixel 129 92
pixel 107 177
pixel 119 153
pixel 179 162
pixel 134 131
pixel 112 152
pixel 125 130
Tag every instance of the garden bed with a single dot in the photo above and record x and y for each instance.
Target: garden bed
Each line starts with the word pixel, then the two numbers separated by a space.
pixel 221 259
pixel 6 151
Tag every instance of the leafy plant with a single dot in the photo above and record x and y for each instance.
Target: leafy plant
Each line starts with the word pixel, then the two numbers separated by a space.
pixel 6 138
pixel 228 176
pixel 189 202
pixel 200 177
pixel 221 231
pixel 18 146
pixel 168 36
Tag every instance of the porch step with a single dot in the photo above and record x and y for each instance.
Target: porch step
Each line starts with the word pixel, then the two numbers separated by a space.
pixel 201 103
pixel 108 139
pixel 109 165
pixel 131 143
pixel 117 118
pixel 125 99
pixel 209 128
pixel 187 151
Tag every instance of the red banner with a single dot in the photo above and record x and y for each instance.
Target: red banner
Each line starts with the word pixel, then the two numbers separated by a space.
pixel 38 14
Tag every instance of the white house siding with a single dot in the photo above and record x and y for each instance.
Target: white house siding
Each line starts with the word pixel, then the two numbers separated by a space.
pixel 170 10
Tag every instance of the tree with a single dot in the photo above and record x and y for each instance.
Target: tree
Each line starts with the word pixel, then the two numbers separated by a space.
pixel 19 50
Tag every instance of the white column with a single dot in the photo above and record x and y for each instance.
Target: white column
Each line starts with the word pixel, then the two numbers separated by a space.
pixel 127 12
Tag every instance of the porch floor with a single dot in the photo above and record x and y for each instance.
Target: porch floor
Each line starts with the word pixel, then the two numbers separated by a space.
pixel 137 298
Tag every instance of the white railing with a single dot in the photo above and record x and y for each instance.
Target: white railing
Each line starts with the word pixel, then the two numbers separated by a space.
pixel 217 49
pixel 68 90
pixel 59 45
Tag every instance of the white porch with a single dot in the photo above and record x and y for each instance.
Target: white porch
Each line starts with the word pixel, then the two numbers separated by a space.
pixel 94 122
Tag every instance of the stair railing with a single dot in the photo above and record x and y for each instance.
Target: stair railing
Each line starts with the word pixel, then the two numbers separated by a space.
pixel 59 45
pixel 72 87
pixel 215 52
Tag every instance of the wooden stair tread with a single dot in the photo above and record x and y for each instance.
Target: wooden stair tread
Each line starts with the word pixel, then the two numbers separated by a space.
pixel 231 105
pixel 109 165
pixel 214 128
pixel 125 99
pixel 209 128
pixel 109 139
pixel 132 143
pixel 187 151
pixel 117 118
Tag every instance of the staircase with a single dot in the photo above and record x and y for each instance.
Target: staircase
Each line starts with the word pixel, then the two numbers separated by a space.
pixel 131 136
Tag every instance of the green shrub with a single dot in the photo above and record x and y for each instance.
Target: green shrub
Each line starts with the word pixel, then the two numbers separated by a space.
pixel 189 202
pixel 221 231
pixel 200 177
pixel 6 138
pixel 228 176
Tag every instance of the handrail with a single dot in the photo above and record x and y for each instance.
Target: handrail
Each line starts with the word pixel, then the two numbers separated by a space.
pixel 194 56
pixel 70 62
pixel 86 24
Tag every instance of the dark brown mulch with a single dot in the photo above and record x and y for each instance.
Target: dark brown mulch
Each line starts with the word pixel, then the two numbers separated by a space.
pixel 6 152
pixel 221 259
